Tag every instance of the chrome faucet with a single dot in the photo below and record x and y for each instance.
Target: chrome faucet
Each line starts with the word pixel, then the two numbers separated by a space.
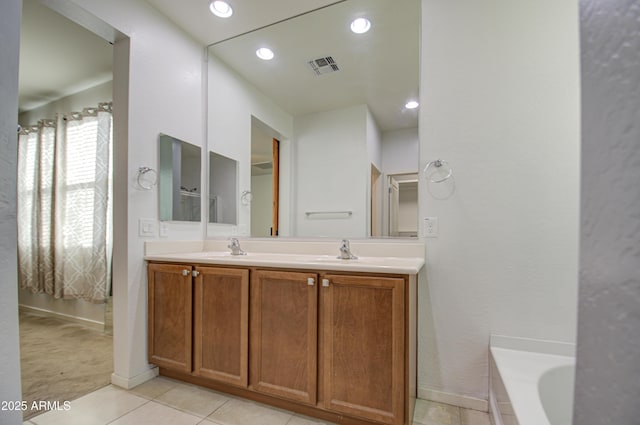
pixel 345 251
pixel 234 246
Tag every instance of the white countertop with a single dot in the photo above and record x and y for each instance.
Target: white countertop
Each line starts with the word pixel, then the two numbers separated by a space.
pixel 391 265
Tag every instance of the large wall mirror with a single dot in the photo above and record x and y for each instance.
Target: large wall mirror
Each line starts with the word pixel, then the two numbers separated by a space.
pixel 179 180
pixel 321 131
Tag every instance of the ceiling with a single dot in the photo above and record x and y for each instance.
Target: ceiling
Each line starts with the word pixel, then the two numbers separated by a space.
pixel 384 81
pixel 379 68
pixel 193 16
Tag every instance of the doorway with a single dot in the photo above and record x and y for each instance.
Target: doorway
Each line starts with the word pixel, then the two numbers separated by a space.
pixel 402 205
pixel 66 345
pixel 265 180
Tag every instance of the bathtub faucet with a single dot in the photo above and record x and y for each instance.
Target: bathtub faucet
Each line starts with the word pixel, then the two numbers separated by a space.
pixel 345 251
pixel 234 246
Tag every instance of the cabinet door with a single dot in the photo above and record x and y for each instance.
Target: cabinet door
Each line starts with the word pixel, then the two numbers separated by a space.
pixel 363 346
pixel 284 334
pixel 169 325
pixel 221 324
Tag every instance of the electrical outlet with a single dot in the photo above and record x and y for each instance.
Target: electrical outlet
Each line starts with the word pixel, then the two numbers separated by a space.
pixel 164 230
pixel 431 227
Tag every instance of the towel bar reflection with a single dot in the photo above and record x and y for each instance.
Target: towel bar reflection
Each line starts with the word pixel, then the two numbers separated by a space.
pixel 147 177
pixel 310 213
pixel 437 164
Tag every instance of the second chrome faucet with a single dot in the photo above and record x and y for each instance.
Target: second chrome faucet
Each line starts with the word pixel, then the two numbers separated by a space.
pixel 345 251
pixel 234 246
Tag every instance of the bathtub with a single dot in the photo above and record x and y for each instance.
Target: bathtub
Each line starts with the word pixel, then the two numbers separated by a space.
pixel 530 381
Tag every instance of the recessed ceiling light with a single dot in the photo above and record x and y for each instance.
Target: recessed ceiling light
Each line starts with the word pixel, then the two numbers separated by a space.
pixel 220 8
pixel 412 104
pixel 360 25
pixel 265 53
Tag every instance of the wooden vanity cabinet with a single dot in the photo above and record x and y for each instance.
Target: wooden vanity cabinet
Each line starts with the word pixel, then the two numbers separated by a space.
pixel 210 304
pixel 284 334
pixel 339 346
pixel 169 310
pixel 363 328
pixel 221 324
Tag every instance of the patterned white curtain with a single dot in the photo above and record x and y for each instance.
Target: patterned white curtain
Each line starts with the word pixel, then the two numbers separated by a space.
pixel 64 205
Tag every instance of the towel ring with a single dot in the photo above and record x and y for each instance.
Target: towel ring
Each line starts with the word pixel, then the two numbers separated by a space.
pixel 153 178
pixel 438 163
pixel 246 197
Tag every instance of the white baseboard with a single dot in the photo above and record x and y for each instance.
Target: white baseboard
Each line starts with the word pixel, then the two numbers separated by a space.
pixel 128 383
pixel 93 324
pixel 454 399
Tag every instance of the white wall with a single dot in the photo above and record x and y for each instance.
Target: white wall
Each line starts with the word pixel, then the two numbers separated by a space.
pixel 83 310
pixel 261 204
pixel 223 171
pixel 332 173
pixel 400 149
pixel 499 101
pixel 608 366
pixel 374 149
pixel 232 103
pixel 10 14
pixel 157 89
pixel 374 141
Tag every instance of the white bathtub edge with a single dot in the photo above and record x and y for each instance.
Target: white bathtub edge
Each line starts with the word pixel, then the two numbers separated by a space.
pixel 557 348
pixel 520 368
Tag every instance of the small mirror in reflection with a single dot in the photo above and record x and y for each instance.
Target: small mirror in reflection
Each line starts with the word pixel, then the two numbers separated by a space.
pixel 223 189
pixel 179 180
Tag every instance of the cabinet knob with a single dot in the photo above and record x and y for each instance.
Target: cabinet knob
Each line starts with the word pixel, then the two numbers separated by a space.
pixel 195 273
pixel 311 281
pixel 185 272
pixel 325 282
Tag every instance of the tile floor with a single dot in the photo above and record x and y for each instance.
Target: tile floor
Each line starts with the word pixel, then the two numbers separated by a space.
pixel 165 401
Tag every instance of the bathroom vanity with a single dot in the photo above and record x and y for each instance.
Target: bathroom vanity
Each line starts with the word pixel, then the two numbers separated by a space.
pixel 329 338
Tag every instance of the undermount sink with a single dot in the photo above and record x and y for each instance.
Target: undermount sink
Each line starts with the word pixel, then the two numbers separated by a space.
pixel 261 256
pixel 335 259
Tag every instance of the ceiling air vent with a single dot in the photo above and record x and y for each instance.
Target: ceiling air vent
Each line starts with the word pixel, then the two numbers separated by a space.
pixel 323 65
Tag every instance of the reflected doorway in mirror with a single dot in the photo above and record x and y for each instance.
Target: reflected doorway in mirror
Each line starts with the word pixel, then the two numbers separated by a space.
pixel 265 181
pixel 402 205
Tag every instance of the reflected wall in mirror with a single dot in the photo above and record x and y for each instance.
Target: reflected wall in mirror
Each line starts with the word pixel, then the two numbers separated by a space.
pixel 335 102
pixel 179 180
pixel 223 189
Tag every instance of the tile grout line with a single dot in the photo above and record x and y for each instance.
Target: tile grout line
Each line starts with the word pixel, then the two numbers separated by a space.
pixel 130 411
pixel 131 391
pixel 165 403
pixel 220 407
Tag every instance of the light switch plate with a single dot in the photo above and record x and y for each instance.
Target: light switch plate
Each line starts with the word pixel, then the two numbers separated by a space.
pixel 147 227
